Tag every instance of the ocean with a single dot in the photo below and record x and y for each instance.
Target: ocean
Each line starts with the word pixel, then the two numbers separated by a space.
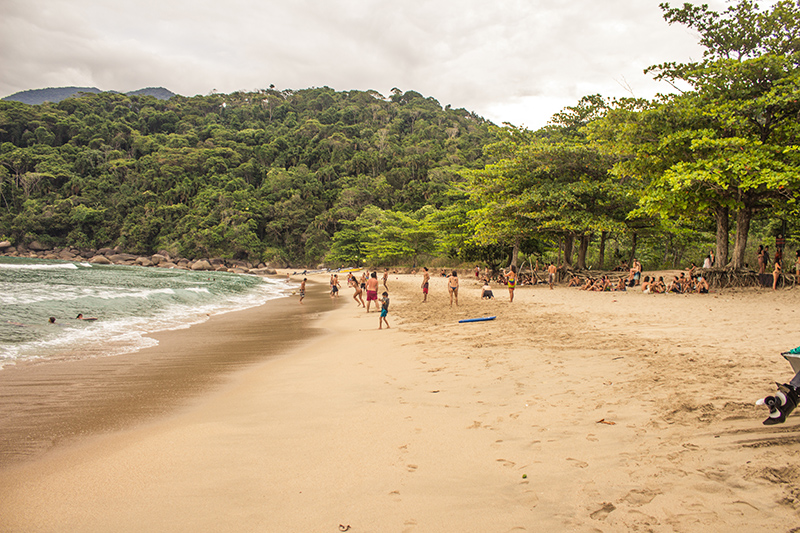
pixel 129 302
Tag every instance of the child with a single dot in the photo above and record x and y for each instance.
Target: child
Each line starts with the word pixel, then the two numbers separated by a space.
pixel 384 311
pixel 486 293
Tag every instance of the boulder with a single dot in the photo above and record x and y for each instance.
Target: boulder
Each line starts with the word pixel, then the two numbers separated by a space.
pixel 5 244
pixel 167 264
pixel 221 268
pixel 143 261
pixel 100 260
pixel 157 259
pixel 122 258
pixel 264 271
pixel 164 253
pixel 105 251
pixel 202 264
pixel 36 246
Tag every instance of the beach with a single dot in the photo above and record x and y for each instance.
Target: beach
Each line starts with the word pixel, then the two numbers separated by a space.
pixel 571 411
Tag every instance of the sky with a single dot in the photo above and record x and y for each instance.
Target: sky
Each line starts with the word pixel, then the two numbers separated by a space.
pixel 514 61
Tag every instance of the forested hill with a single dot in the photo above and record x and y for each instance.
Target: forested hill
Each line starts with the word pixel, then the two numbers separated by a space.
pixel 57 94
pixel 268 175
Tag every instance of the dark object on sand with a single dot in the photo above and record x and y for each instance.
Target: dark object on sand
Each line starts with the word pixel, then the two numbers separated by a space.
pixel 785 400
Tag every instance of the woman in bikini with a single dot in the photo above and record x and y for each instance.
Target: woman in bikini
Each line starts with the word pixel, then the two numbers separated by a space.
pixel 511 276
pixel 452 287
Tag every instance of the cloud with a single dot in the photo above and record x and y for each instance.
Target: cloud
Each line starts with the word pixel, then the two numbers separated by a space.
pixel 509 60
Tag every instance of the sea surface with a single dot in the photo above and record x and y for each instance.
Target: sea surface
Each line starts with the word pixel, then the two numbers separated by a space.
pixel 129 302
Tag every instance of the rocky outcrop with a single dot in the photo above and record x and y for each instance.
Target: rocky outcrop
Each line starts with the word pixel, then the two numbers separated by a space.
pixel 117 256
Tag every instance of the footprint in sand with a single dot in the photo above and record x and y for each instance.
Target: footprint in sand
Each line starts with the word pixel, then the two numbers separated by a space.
pixel 603 512
pixel 412 468
pixel 578 462
pixel 639 497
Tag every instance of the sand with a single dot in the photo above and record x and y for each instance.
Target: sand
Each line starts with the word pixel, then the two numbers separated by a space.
pixel 571 411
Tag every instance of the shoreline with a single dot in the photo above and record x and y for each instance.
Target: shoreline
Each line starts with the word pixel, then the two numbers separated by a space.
pixel 46 403
pixel 571 411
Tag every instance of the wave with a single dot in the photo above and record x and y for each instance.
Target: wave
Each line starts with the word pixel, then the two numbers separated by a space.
pixel 28 266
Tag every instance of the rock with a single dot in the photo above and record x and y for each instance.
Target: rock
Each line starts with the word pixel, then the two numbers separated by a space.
pixel 164 253
pixel 221 268
pixel 5 244
pixel 202 264
pixel 122 258
pixel 238 270
pixel 36 246
pixel 100 260
pixel 105 251
pixel 158 259
pixel 143 261
pixel 167 264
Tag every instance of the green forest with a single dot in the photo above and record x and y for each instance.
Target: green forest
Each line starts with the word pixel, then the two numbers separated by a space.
pixel 304 177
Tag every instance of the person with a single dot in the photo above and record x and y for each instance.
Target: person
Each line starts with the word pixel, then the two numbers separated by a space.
pixel 372 289
pixel 511 276
pixel 477 272
pixel 551 275
pixel 302 290
pixel 637 271
pixel 486 291
pixel 426 279
pixel 646 285
pixel 452 287
pixel 760 259
pixel 81 317
pixel 766 257
pixel 357 291
pixel 776 274
pixel 797 265
pixel 707 262
pixel 702 285
pixel 334 286
pixel 385 278
pixel 384 311
pixel 52 320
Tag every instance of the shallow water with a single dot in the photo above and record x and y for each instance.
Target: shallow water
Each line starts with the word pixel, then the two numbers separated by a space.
pixel 127 301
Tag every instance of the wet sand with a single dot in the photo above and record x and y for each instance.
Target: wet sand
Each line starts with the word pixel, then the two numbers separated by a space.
pixel 44 404
pixel 571 411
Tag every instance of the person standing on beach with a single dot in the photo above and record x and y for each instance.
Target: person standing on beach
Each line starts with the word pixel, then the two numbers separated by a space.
pixel 358 291
pixel 452 287
pixel 511 276
pixel 302 290
pixel 384 311
pixel 335 286
pixel 776 274
pixel 760 259
pixel 385 278
pixel 372 290
pixel 426 279
pixel 551 275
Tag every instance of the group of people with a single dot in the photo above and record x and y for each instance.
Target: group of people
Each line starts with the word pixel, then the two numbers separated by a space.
pixel 680 284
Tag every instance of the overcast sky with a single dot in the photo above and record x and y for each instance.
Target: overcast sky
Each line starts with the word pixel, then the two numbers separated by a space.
pixel 516 61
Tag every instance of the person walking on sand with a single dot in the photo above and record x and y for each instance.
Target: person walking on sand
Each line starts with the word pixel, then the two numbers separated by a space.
pixel 335 286
pixel 452 287
pixel 551 275
pixel 384 311
pixel 372 290
pixel 302 290
pixel 426 280
pixel 511 276
pixel 357 291
pixel 385 278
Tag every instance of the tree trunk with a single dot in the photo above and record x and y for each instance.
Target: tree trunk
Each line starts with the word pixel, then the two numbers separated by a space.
pixel 568 242
pixel 743 217
pixel 603 237
pixel 515 251
pixel 583 249
pixel 634 238
pixel 722 216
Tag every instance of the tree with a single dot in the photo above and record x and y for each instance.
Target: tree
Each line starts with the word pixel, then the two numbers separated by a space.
pixel 730 145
